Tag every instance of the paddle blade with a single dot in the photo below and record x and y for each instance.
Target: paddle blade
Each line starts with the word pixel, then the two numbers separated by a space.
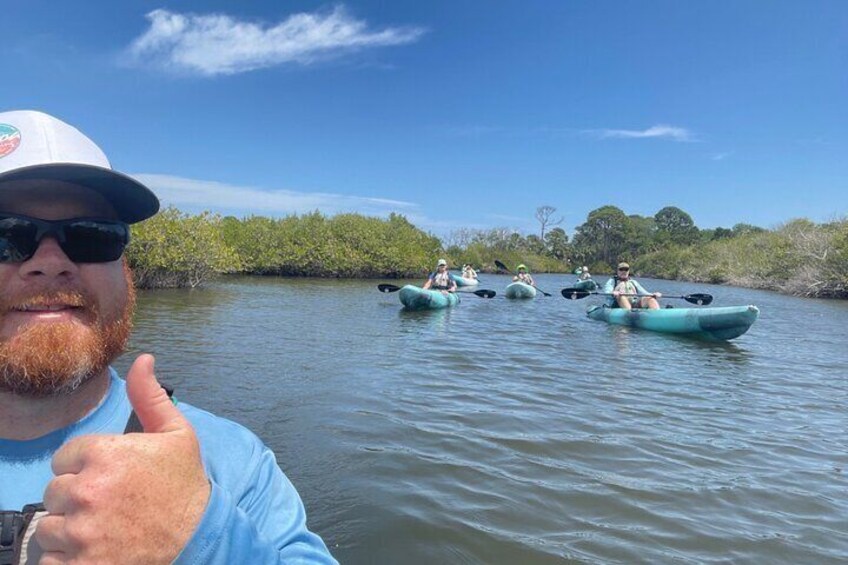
pixel 483 293
pixel 387 288
pixel 542 291
pixel 699 299
pixel 574 293
pixel 501 266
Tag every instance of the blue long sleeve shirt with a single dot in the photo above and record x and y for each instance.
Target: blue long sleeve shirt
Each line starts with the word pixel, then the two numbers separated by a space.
pixel 254 514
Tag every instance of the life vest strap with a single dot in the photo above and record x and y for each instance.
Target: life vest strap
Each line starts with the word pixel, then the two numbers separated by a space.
pixel 11 528
pixel 15 533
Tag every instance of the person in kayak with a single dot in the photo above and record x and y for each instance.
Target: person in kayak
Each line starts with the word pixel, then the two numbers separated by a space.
pixel 621 285
pixel 584 274
pixel 468 272
pixel 95 468
pixel 440 280
pixel 523 276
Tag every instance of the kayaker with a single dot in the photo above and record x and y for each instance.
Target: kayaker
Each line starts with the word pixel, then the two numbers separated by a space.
pixel 468 272
pixel 523 276
pixel 193 487
pixel 440 280
pixel 584 274
pixel 621 284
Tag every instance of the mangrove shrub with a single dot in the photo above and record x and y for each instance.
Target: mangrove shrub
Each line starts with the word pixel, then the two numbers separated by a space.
pixel 173 249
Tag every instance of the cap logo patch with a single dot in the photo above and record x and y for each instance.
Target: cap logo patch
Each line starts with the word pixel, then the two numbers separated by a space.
pixel 10 138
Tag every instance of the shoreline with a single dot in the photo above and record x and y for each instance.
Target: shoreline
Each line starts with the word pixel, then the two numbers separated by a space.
pixel 599 280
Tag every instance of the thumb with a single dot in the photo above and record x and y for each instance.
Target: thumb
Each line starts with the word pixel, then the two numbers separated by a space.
pixel 151 403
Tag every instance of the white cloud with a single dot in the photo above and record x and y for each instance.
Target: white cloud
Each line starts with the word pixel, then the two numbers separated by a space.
pixel 657 131
pixel 721 156
pixel 192 195
pixel 218 44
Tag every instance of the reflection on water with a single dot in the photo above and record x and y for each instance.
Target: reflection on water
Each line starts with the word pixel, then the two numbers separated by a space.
pixel 722 353
pixel 506 431
pixel 623 340
pixel 416 322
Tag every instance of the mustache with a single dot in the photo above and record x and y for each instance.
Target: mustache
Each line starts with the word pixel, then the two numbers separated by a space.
pixel 76 298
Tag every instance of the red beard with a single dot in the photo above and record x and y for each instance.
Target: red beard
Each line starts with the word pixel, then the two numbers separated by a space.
pixel 45 359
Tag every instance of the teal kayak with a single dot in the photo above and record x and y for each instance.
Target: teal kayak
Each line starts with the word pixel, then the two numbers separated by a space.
pixel 520 290
pixel 589 285
pixel 461 281
pixel 416 298
pixel 716 324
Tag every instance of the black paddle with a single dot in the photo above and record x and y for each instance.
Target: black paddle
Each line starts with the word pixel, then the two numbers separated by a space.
pixel 482 293
pixel 577 294
pixel 502 267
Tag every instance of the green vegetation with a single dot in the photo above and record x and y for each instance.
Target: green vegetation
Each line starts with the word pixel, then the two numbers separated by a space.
pixel 802 258
pixel 346 245
pixel 173 249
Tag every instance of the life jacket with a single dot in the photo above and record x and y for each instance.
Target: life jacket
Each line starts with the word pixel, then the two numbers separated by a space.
pixel 629 288
pixel 441 281
pixel 18 526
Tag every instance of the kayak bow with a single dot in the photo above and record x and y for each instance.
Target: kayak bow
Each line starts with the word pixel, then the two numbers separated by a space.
pixel 520 290
pixel 416 298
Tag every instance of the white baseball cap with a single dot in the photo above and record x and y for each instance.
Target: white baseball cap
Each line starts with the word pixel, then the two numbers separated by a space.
pixel 34 145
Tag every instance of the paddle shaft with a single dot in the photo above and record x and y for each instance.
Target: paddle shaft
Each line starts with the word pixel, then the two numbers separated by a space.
pixel 623 294
pixel 687 297
pixel 577 294
pixel 482 293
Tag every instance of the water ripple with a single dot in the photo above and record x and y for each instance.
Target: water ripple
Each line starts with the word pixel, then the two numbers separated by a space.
pixel 522 432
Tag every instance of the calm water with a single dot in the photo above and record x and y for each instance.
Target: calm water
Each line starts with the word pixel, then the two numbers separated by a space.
pixel 523 432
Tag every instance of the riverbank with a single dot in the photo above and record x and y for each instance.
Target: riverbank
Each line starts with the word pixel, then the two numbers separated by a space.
pixel 177 250
pixel 799 258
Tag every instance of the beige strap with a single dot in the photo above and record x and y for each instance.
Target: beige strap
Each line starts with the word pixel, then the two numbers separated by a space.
pixel 31 552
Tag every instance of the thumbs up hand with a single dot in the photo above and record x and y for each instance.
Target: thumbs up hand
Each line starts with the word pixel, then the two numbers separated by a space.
pixel 134 498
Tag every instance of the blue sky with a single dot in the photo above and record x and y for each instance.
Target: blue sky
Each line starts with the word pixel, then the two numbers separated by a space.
pixel 458 114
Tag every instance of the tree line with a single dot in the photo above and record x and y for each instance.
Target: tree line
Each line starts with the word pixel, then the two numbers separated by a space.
pixel 799 257
pixel 174 249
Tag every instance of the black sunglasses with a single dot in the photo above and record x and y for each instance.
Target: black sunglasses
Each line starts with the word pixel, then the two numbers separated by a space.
pixel 83 240
pixel 625 269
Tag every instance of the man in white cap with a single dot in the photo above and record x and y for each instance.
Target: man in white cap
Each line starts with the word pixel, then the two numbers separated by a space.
pixel 95 468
